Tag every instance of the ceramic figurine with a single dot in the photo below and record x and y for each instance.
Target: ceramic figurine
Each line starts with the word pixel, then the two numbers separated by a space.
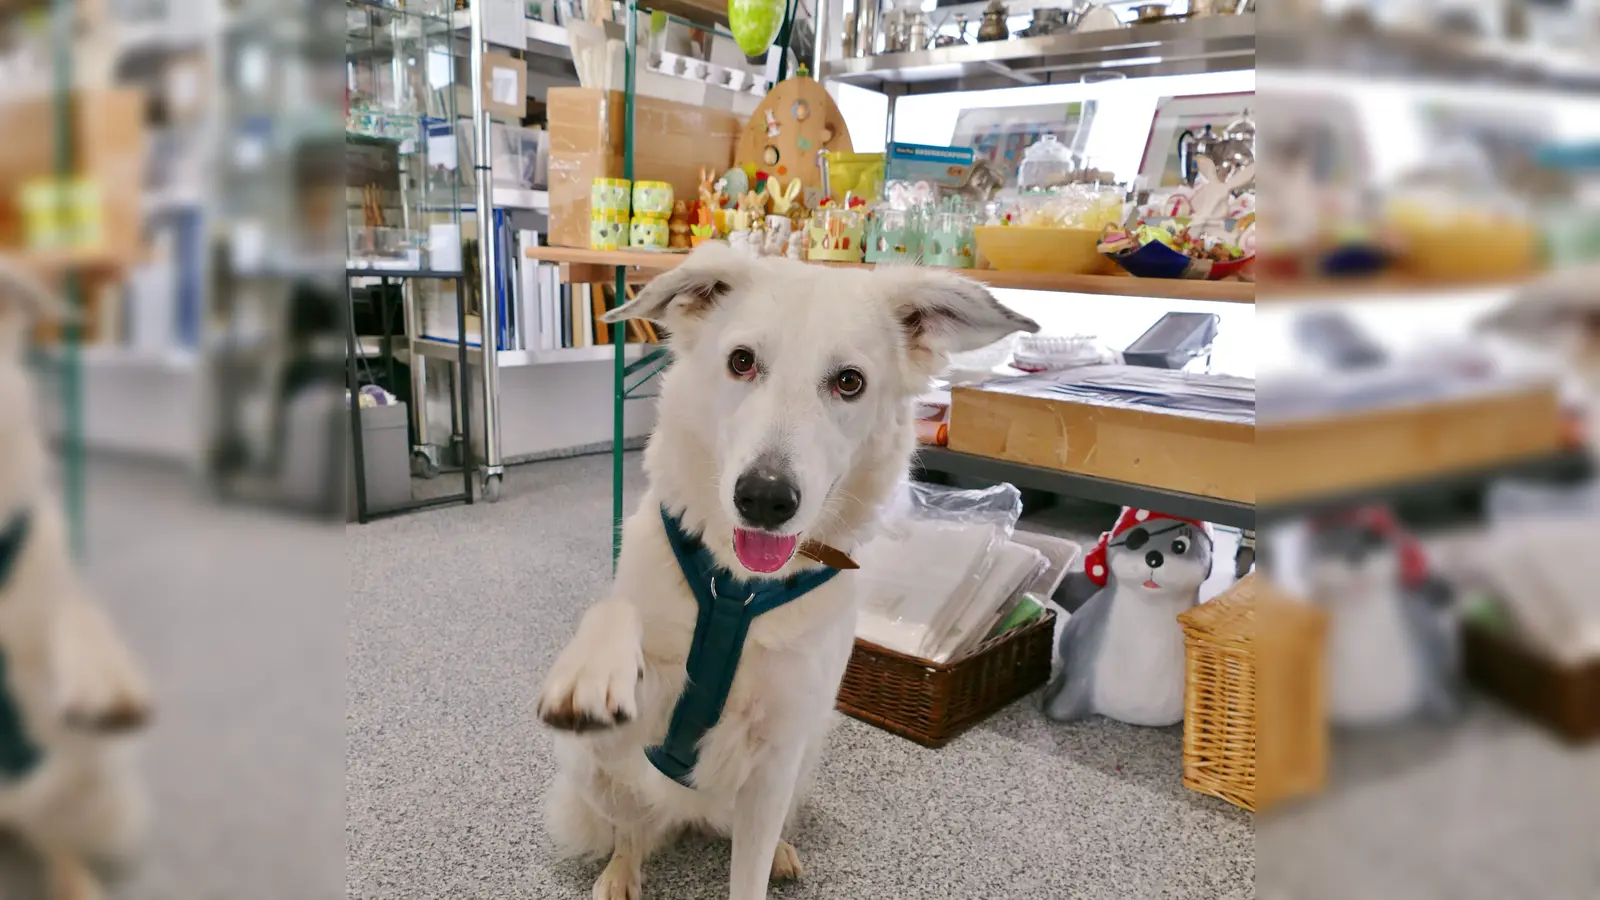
pixel 1391 647
pixel 1122 651
pixel 740 241
pixel 778 231
pixel 797 245
pixel 754 205
pixel 678 227
pixel 710 193
pixel 1210 201
pixel 783 197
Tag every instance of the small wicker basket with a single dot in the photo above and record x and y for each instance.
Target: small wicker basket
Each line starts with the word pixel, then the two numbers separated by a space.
pixel 931 703
pixel 1254 729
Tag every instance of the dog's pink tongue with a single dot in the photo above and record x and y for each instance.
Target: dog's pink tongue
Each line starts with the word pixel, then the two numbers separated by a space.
pixel 763 552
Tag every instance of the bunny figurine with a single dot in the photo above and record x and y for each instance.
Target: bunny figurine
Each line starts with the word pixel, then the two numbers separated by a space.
pixel 754 204
pixel 783 198
pixel 709 195
pixel 1211 199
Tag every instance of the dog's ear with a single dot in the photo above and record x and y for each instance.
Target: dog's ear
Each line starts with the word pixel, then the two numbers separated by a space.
pixel 690 291
pixel 943 313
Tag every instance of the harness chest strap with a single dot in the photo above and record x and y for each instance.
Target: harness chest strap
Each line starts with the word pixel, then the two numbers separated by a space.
pixel 727 607
pixel 18 754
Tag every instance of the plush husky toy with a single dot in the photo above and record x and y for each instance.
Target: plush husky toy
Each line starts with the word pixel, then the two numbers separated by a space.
pixel 1391 648
pixel 1122 651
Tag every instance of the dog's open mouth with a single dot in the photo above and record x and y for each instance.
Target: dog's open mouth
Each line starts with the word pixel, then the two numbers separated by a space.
pixel 761 551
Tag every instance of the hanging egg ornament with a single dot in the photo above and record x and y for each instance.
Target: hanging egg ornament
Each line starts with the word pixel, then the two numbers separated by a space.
pixel 755 24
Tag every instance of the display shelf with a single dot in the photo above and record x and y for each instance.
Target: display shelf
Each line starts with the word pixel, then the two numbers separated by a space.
pixel 446 350
pixel 1381 288
pixel 1111 285
pixel 1210 44
pixel 1379 52
pixel 1085 487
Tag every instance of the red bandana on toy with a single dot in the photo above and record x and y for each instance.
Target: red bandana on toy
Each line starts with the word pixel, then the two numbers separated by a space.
pixel 1094 564
pixel 1380 521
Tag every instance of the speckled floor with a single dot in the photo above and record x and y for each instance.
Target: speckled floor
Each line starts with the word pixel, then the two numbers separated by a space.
pixel 399 660
pixel 456 613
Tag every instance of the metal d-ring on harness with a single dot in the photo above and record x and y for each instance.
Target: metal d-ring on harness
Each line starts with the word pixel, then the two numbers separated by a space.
pixel 719 632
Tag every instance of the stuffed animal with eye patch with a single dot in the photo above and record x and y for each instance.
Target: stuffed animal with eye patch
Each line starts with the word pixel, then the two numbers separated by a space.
pixel 1122 651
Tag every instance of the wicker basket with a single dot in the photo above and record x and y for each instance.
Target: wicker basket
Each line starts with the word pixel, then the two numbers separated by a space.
pixel 931 703
pixel 1254 730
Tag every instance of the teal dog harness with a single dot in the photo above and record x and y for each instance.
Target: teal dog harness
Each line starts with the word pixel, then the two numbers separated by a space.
pixel 727 607
pixel 18 754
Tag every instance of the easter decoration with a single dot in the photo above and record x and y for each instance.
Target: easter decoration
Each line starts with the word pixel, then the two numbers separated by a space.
pixel 784 135
pixel 755 24
pixel 1206 243
pixel 702 230
pixel 678 226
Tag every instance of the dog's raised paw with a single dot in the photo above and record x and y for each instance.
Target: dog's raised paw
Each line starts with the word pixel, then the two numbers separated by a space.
pixel 786 862
pixel 619 881
pixel 588 692
pixel 124 715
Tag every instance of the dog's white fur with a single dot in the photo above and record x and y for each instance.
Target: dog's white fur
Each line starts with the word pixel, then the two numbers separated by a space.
pixel 76 685
pixel 621 674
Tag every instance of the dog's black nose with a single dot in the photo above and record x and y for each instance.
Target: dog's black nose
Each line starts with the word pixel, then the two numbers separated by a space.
pixel 1153 559
pixel 766 497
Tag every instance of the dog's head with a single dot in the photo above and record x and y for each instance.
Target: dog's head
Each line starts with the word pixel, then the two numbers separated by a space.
pixel 789 381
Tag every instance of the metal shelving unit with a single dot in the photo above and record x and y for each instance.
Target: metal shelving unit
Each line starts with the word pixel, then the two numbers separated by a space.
pixel 1213 44
pixel 1205 45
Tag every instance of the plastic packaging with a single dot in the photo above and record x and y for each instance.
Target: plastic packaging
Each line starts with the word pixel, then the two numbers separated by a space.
pixel 857 174
pixel 931 563
pixel 1053 353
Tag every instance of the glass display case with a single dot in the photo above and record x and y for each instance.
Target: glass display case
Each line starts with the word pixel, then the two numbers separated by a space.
pixel 403 194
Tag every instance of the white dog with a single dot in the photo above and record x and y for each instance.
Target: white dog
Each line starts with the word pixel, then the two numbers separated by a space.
pixel 69 687
pixel 784 423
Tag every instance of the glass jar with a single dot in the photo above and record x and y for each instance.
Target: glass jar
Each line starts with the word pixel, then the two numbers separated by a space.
pixel 1046 163
pixel 948 240
pixel 892 234
pixel 835 235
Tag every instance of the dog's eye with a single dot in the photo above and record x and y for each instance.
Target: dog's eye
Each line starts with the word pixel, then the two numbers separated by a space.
pixel 1180 547
pixel 741 362
pixel 849 383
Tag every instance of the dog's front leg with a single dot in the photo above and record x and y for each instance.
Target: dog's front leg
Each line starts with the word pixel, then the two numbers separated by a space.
pixel 759 811
pixel 593 682
pixel 98 684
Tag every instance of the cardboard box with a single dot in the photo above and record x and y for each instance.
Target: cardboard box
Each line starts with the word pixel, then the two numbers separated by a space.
pixel 505 87
pixel 109 153
pixel 1023 421
pixel 1330 455
pixel 673 142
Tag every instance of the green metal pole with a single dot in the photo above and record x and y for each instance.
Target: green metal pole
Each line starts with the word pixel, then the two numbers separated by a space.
pixel 63 13
pixel 619 377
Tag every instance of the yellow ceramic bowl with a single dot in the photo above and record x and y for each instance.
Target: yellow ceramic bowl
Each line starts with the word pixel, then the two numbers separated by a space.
pixel 1069 251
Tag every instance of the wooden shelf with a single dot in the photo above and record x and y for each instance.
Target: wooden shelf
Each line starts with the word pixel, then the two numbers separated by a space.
pixel 581 265
pixel 1381 288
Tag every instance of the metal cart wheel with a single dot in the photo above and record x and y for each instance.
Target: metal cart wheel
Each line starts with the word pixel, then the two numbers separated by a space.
pixel 491 488
pixel 423 464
